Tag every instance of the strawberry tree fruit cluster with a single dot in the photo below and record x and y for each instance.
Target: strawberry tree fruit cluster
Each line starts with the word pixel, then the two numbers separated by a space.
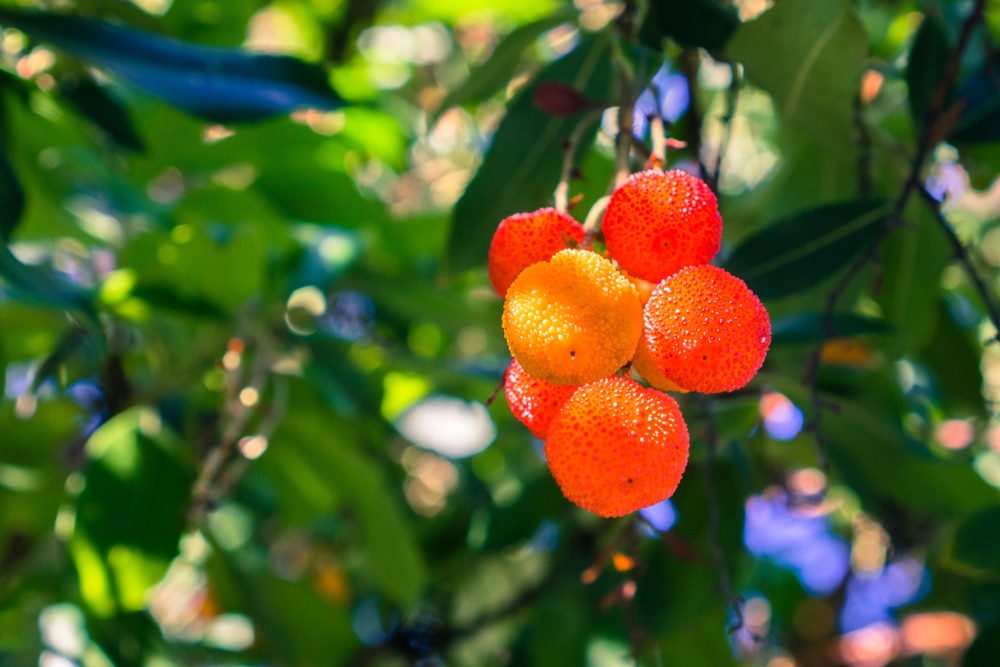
pixel 577 321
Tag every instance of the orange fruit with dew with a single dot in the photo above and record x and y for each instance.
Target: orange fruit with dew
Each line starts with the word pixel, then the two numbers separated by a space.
pixel 616 447
pixel 534 402
pixel 572 319
pixel 644 365
pixel 524 239
pixel 659 222
pixel 705 330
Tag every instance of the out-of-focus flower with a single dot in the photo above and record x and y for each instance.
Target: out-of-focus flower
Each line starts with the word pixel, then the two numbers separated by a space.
pixel 796 538
pixel 871 598
pixel 662 516
pixel 667 96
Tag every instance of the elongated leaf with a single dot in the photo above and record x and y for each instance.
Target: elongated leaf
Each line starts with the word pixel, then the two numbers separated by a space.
pixel 975 549
pixel 218 84
pixel 809 327
pixel 11 198
pixel 913 258
pixel 522 167
pixel 107 113
pixel 495 73
pixel 980 118
pixel 927 60
pixel 799 252
pixel 701 23
pixel 808 55
pixel 36 284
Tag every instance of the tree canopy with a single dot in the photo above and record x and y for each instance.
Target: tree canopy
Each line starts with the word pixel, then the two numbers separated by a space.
pixel 252 406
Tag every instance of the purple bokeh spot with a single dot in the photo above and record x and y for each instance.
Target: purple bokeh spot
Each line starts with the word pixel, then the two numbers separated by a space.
pixel 667 96
pixel 784 421
pixel 662 516
pixel 802 542
pixel 871 598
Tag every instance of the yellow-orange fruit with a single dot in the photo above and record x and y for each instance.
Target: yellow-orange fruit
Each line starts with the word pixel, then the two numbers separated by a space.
pixel 705 330
pixel 572 319
pixel 534 402
pixel 659 222
pixel 646 368
pixel 526 238
pixel 616 447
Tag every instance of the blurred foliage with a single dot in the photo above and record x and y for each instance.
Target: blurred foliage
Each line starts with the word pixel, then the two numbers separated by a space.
pixel 248 341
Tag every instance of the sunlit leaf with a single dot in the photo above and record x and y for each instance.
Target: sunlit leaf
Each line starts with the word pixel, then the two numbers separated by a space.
pixel 522 167
pixel 218 84
pixel 799 252
pixel 808 56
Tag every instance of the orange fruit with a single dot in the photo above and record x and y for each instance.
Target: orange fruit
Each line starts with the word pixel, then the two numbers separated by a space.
pixel 705 330
pixel 659 222
pixel 572 319
pixel 534 402
pixel 644 365
pixel 526 238
pixel 616 447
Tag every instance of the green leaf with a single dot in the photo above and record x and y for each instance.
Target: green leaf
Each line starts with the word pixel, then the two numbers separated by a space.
pixel 954 356
pixel 522 167
pixel 980 117
pixel 809 327
pixel 131 512
pixel 975 549
pixel 36 284
pixel 808 55
pixel 913 257
pixel 699 23
pixel 984 650
pixel 217 84
pixel 11 198
pixel 928 56
pixel 494 74
pixel 866 443
pixel 107 113
pixel 797 253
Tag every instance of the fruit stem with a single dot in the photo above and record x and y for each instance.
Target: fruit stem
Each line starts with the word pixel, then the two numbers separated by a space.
pixel 561 194
pixel 591 223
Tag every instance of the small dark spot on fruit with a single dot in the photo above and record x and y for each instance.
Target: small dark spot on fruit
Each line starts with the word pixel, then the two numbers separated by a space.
pixel 629 480
pixel 572 354
pixel 704 357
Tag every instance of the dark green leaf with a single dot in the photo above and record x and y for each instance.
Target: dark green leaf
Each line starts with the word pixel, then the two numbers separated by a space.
pixel 94 102
pixel 954 356
pixel 522 167
pixel 928 55
pixel 809 327
pixel 494 74
pixel 11 198
pixel 700 23
pixel 809 57
pixel 799 252
pixel 913 257
pixel 218 84
pixel 36 284
pixel 130 515
pixel 980 117
pixel 985 650
pixel 975 549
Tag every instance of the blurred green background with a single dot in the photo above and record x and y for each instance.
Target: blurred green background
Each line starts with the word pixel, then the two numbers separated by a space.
pixel 248 342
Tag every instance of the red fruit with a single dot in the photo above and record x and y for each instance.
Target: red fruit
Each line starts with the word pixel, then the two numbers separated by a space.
pixel 559 99
pixel 534 402
pixel 705 330
pixel 659 222
pixel 616 447
pixel 524 239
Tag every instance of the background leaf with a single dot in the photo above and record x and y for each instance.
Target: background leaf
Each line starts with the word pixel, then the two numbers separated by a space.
pixel 522 166
pixel 928 56
pixel 799 252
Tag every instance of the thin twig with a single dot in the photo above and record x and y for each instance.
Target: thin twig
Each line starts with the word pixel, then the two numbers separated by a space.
pixel 689 61
pixel 714 177
pixel 561 194
pixel 715 548
pixel 962 254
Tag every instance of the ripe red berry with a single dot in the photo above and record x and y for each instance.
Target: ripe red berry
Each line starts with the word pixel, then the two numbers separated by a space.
pixel 705 330
pixel 659 222
pixel 534 402
pixel 616 447
pixel 524 239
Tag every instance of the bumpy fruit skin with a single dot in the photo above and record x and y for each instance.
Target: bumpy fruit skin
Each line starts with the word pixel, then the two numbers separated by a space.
pixel 525 239
pixel 705 330
pixel 644 365
pixel 534 402
pixel 659 222
pixel 616 447
pixel 573 319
